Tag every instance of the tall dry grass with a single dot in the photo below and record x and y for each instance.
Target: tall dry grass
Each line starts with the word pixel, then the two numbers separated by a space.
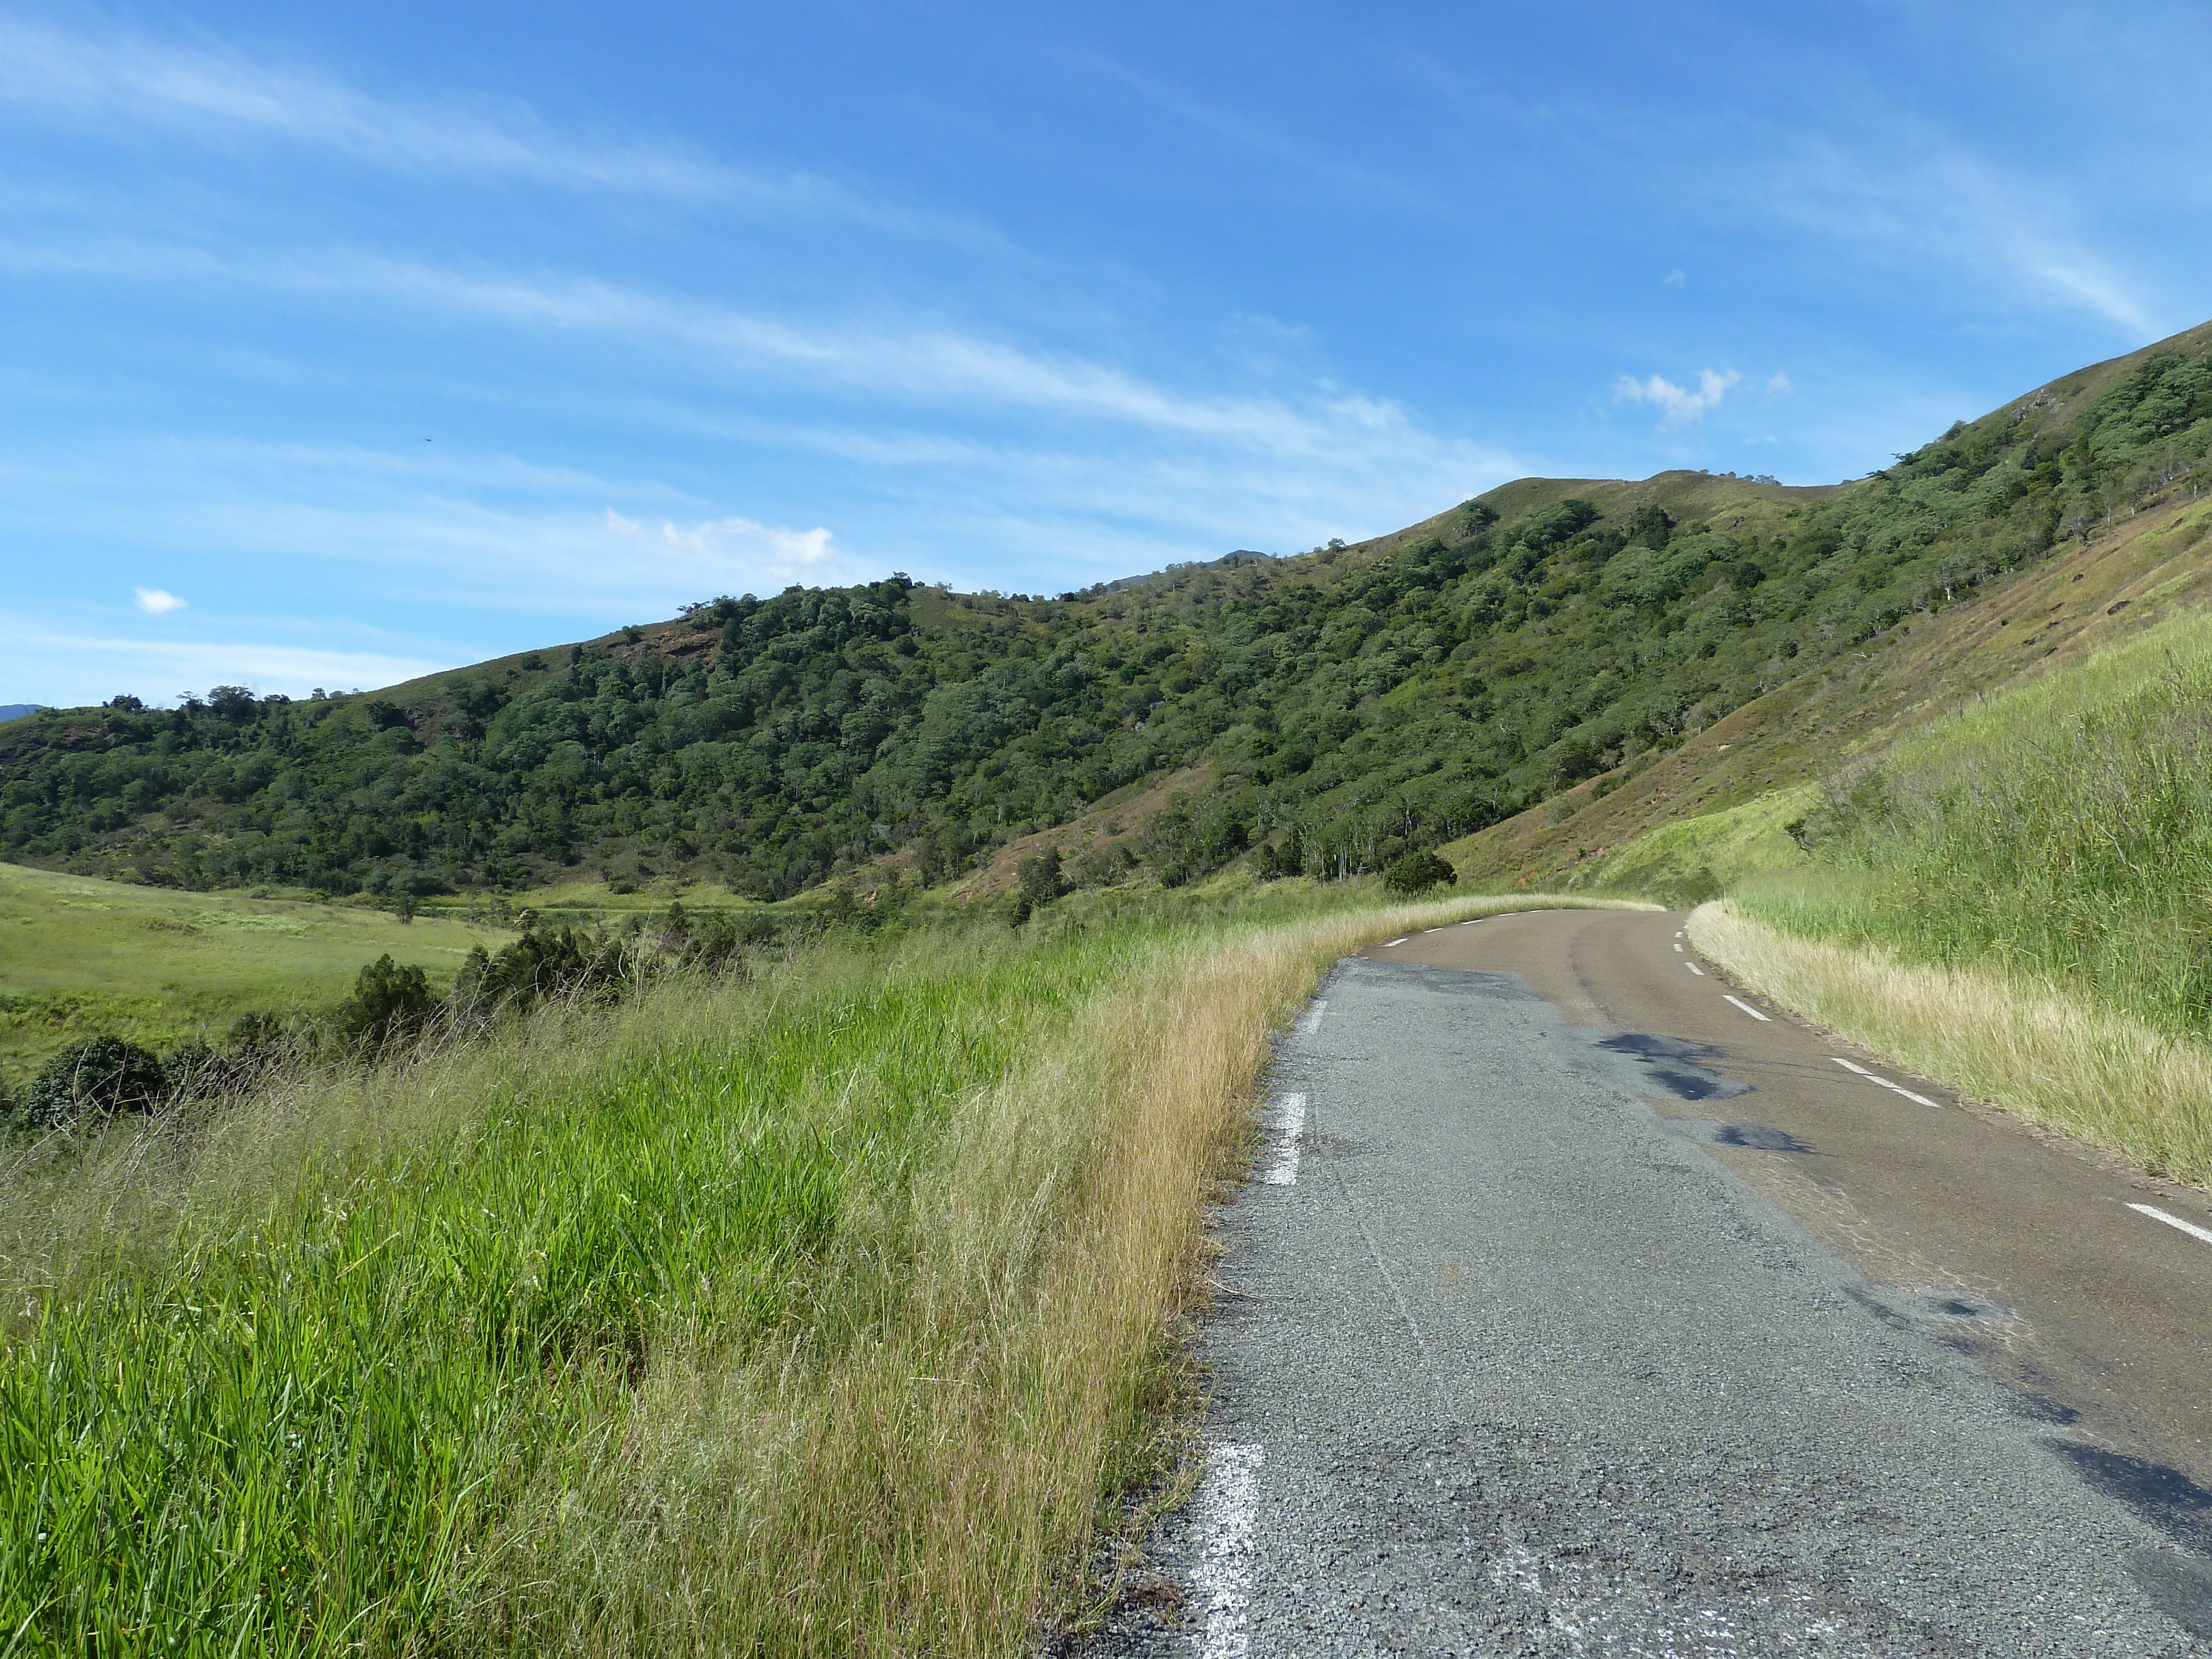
pixel 2052 1056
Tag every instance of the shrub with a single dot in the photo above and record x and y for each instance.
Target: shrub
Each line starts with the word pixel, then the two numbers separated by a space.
pixel 1041 879
pixel 389 1004
pixel 93 1078
pixel 1417 873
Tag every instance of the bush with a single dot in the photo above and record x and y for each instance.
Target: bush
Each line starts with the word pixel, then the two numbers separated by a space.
pixel 1417 873
pixel 1041 879
pixel 555 963
pixel 389 1004
pixel 94 1078
pixel 195 1069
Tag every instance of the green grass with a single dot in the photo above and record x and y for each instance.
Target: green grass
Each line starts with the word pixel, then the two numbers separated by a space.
pixel 300 1425
pixel 2059 833
pixel 79 954
pixel 1695 859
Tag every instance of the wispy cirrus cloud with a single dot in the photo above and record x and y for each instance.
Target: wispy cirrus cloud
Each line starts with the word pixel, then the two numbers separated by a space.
pixel 923 363
pixel 121 79
pixel 1677 405
pixel 127 78
pixel 1938 199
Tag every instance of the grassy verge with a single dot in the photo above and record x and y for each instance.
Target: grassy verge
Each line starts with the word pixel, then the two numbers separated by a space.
pixel 2057 1057
pixel 2058 834
pixel 1691 859
pixel 819 1314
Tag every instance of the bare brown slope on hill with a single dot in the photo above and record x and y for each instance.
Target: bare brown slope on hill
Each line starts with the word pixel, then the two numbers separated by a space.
pixel 2147 569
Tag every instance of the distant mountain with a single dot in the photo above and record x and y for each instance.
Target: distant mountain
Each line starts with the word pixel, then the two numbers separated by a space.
pixel 15 711
pixel 1339 707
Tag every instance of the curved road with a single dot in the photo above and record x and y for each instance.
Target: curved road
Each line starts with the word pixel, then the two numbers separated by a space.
pixel 1583 1304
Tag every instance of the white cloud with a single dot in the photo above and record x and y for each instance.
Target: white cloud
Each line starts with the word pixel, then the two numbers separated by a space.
pixel 1900 189
pixel 73 669
pixel 734 553
pixel 1677 404
pixel 1778 383
pixel 123 75
pixel 1674 279
pixel 157 602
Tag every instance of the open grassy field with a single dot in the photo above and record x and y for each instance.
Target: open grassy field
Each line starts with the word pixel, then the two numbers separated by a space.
pixel 830 1310
pixel 1697 858
pixel 79 956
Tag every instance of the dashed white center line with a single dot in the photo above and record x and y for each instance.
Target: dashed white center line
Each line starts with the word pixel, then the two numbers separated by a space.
pixel 1875 1077
pixel 1290 1126
pixel 1388 943
pixel 1309 1021
pixel 1694 968
pixel 2189 1227
pixel 1223 1576
pixel 1678 947
pixel 1746 1006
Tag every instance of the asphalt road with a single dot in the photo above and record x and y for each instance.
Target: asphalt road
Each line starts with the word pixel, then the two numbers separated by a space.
pixel 1575 1309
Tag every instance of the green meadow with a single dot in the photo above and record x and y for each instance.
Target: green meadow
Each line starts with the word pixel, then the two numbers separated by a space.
pixel 80 956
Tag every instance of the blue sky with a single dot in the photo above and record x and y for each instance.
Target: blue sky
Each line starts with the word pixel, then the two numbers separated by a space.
pixel 342 344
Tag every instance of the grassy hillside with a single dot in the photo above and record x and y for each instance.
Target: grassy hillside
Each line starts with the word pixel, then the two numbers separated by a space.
pixel 1345 705
pixel 79 954
pixel 2061 831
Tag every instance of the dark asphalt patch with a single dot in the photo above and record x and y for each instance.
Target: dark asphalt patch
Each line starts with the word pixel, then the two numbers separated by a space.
pixel 1672 1065
pixel 2165 1497
pixel 1759 1138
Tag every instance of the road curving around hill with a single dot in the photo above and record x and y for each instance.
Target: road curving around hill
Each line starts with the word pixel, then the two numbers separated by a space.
pixel 1583 1304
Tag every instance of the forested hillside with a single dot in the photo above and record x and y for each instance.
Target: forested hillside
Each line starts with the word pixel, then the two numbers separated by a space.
pixel 1352 702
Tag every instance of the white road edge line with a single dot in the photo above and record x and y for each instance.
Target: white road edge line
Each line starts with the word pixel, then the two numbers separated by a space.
pixel 2189 1227
pixel 1309 1021
pixel 1223 1576
pixel 1694 968
pixel 1388 943
pixel 1746 1006
pixel 1290 1127
pixel 1876 1077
